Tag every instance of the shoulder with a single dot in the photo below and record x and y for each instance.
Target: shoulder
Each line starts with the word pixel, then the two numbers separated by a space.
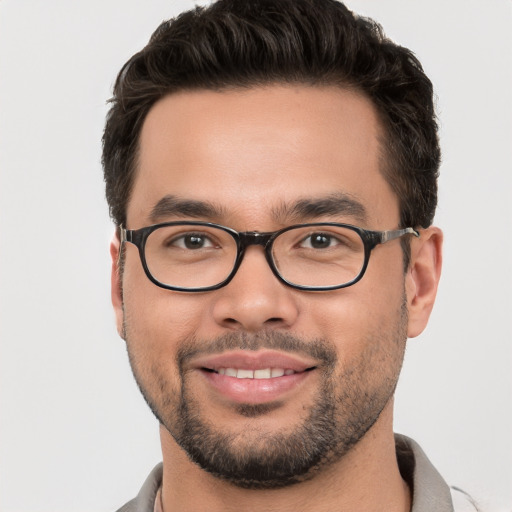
pixel 462 501
pixel 429 490
pixel 145 500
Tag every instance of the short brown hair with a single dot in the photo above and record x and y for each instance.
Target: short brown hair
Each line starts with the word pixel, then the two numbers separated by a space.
pixel 240 44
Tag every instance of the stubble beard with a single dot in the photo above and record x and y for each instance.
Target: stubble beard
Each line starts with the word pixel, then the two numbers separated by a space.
pixel 344 409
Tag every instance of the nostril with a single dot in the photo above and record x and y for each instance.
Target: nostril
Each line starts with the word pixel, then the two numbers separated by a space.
pixel 273 320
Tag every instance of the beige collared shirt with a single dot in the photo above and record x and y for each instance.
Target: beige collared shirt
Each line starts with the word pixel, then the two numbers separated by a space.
pixel 430 493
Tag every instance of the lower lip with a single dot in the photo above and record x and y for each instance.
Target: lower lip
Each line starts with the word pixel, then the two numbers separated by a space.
pixel 255 391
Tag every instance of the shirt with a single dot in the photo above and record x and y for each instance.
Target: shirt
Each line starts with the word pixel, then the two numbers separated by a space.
pixel 429 491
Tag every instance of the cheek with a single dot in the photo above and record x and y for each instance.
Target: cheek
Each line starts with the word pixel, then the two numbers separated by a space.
pixel 353 317
pixel 156 322
pixel 383 285
pixel 157 315
pixel 160 319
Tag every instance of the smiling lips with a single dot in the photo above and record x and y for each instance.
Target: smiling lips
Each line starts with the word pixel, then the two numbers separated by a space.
pixel 266 373
pixel 254 377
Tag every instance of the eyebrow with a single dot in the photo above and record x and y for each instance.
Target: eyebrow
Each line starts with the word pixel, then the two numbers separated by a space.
pixel 173 206
pixel 333 205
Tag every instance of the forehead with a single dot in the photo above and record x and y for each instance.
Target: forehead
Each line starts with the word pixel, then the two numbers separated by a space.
pixel 255 150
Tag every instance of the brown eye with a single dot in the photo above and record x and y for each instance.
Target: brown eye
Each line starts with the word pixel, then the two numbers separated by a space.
pixel 194 241
pixel 191 241
pixel 319 241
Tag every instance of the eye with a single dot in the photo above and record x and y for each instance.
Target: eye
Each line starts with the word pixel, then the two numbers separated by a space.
pixel 192 241
pixel 320 241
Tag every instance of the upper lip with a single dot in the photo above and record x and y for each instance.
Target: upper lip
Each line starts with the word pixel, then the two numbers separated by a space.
pixel 258 360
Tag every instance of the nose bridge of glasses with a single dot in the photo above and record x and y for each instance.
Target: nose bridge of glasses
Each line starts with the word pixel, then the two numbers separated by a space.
pixel 254 238
pixel 249 238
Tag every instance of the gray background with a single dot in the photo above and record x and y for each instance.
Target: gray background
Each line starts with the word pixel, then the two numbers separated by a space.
pixel 74 433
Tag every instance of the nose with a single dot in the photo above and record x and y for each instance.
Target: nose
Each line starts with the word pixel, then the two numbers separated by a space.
pixel 255 299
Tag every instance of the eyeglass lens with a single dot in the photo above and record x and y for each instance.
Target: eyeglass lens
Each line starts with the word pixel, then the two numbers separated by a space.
pixel 191 257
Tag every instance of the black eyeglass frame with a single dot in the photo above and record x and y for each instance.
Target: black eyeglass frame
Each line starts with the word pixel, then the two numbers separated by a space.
pixel 243 239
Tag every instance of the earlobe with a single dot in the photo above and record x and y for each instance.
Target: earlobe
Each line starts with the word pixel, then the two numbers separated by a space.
pixel 116 285
pixel 422 278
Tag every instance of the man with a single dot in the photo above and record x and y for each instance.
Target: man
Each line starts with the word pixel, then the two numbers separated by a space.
pixel 271 169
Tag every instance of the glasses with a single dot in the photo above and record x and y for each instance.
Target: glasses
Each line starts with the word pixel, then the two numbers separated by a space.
pixel 201 256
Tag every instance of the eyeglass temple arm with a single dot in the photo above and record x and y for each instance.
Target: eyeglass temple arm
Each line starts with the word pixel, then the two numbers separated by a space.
pixel 386 236
pixel 123 235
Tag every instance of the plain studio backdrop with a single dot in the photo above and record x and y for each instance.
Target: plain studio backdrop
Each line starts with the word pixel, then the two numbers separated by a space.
pixel 75 434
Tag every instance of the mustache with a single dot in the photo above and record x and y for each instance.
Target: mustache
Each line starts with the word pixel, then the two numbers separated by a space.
pixel 318 349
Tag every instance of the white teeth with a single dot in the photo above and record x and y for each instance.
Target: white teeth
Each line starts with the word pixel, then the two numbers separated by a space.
pixel 265 373
pixel 262 374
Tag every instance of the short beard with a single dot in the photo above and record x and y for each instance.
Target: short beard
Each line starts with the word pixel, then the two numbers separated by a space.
pixel 268 461
pixel 344 410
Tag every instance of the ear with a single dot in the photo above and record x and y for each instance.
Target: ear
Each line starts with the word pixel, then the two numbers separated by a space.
pixel 116 285
pixel 422 278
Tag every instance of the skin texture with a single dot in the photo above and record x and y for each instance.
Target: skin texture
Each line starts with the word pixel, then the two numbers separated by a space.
pixel 253 154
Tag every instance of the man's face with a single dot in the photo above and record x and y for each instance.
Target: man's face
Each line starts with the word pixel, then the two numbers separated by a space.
pixel 245 159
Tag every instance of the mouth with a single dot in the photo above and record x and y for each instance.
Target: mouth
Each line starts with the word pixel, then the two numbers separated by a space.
pixel 255 377
pixel 264 373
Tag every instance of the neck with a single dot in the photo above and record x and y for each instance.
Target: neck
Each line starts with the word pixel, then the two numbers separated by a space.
pixel 366 478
